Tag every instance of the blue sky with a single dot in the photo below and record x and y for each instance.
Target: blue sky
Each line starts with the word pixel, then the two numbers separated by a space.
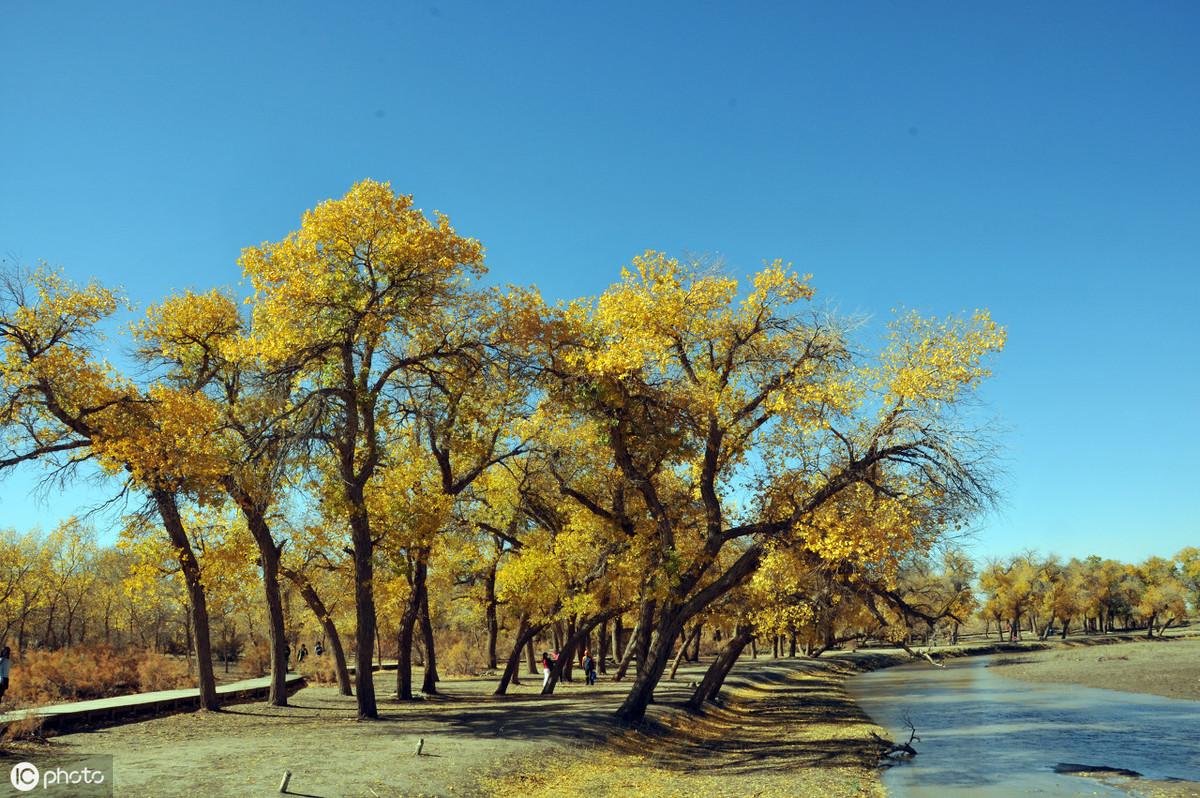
pixel 1036 159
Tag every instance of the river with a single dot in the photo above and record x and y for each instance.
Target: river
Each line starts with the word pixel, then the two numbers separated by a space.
pixel 986 735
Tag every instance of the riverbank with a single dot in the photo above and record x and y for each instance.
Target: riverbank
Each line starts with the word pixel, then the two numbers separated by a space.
pixel 783 728
pixel 787 728
pixel 1169 667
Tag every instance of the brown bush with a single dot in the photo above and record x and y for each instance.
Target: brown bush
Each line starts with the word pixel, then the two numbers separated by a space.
pixel 80 673
pixel 161 672
pixel 463 658
pixel 318 670
pixel 29 728
pixel 72 674
pixel 256 661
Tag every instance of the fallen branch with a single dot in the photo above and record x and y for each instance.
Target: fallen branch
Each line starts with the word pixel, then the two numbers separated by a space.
pixel 922 655
pixel 899 750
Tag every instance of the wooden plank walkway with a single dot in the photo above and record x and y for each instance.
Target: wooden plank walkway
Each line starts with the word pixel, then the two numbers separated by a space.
pixel 122 708
pixel 139 706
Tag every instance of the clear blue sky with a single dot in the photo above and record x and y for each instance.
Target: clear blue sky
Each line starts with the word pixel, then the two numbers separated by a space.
pixel 1038 159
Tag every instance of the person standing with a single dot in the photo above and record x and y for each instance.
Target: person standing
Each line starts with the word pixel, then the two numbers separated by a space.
pixel 5 666
pixel 545 669
pixel 303 651
pixel 589 667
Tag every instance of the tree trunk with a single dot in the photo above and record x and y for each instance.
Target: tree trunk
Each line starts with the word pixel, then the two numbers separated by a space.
pixel 525 635
pixel 645 631
pixel 168 509
pixel 189 640
pixel 602 654
pixel 404 637
pixel 529 654
pixel 268 558
pixel 695 655
pixel 566 654
pixel 650 669
pixel 493 625
pixel 714 677
pixel 364 606
pixel 671 619
pixel 429 684
pixel 313 600
pixel 683 647
pixel 618 632
pixel 623 665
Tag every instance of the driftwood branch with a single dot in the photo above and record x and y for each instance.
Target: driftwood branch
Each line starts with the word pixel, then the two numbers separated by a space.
pixel 903 750
pixel 921 655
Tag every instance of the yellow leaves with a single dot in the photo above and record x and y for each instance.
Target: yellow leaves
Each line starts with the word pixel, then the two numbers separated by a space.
pixel 62 309
pixel 934 361
pixel 357 267
pixel 674 336
pixel 658 305
pixel 191 329
pixel 48 334
pixel 681 399
pixel 777 285
pixel 151 558
pixel 544 579
pixel 406 499
pixel 170 437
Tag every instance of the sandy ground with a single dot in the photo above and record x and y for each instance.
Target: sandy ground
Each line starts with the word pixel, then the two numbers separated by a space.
pixel 1168 667
pixel 1149 788
pixel 788 729
pixel 785 728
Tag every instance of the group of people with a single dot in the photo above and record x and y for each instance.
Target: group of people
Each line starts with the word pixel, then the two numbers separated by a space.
pixel 302 652
pixel 587 662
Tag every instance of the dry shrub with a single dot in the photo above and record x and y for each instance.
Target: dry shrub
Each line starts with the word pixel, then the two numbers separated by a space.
pixel 28 728
pixel 72 674
pixel 463 658
pixel 80 673
pixel 161 672
pixel 318 670
pixel 256 661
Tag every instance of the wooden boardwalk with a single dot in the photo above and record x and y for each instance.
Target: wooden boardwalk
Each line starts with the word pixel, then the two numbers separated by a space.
pixel 122 708
pixel 139 706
